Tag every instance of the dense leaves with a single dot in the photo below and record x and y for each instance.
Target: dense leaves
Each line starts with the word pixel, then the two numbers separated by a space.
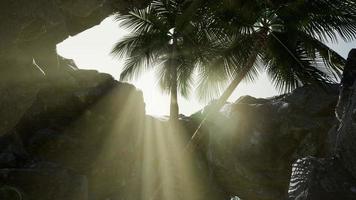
pixel 155 41
pixel 287 35
pixel 286 38
pixel 160 39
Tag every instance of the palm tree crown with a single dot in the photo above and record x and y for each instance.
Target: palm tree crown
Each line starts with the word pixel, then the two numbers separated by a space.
pixel 157 42
pixel 284 37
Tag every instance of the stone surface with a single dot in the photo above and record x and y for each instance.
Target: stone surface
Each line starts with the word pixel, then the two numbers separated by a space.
pixel 346 139
pixel 31 29
pixel 97 127
pixel 334 177
pixel 251 145
pixel 89 123
pixel 326 179
pixel 56 117
pixel 85 125
pixel 44 184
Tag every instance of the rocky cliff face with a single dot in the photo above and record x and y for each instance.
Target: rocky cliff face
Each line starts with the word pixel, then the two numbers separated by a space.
pixel 253 142
pixel 80 134
pixel 332 177
pixel 55 138
pixel 91 132
pixel 31 29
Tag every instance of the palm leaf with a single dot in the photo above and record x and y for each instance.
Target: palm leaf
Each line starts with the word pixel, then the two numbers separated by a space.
pixel 142 51
pixel 290 66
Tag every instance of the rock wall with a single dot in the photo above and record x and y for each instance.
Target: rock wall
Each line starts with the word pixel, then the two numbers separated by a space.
pixel 31 29
pixel 59 137
pixel 79 133
pixel 91 131
pixel 332 177
pixel 252 144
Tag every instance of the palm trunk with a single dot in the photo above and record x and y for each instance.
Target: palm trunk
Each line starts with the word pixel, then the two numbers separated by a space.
pixel 229 90
pixel 260 44
pixel 227 93
pixel 174 109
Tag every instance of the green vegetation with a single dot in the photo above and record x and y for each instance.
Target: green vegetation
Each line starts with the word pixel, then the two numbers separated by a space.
pixel 234 40
pixel 285 38
pixel 156 42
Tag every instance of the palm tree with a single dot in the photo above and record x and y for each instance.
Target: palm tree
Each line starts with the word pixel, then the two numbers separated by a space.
pixel 283 37
pixel 156 42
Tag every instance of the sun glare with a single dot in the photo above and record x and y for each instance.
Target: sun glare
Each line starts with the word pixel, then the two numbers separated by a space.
pixel 125 139
pixel 91 50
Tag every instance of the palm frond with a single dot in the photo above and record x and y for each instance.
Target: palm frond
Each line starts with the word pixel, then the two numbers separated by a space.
pixel 143 21
pixel 332 61
pixel 185 76
pixel 138 20
pixel 211 82
pixel 290 67
pixel 323 19
pixel 142 51
pixel 164 74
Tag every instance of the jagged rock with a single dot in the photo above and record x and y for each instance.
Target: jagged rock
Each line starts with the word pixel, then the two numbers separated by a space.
pixel 251 100
pixel 72 125
pixel 95 126
pixel 332 178
pixel 14 103
pixel 252 143
pixel 345 143
pixel 91 124
pixel 31 29
pixel 12 153
pixel 326 179
pixel 44 184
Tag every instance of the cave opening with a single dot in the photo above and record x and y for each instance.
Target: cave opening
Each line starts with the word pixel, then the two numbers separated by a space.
pixel 91 49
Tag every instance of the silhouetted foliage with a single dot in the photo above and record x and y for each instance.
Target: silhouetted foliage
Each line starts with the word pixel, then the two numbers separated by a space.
pixel 286 38
pixel 157 42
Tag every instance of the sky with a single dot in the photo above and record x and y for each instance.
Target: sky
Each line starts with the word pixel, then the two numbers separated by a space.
pixel 91 50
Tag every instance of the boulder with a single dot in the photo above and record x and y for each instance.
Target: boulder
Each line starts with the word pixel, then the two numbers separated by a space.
pixel 252 143
pixel 44 184
pixel 96 127
pixel 346 112
pixel 327 179
pixel 333 177
pixel 82 126
pixel 32 29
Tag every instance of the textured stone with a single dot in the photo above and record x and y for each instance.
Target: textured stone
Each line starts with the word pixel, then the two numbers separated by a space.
pixel 95 126
pixel 346 139
pixel 83 125
pixel 44 184
pixel 326 179
pixel 334 177
pixel 31 29
pixel 252 143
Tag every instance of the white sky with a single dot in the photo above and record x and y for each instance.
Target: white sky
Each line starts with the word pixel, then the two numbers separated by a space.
pixel 91 50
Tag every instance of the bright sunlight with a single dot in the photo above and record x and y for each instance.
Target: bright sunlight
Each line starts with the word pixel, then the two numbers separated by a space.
pixel 178 100
pixel 91 50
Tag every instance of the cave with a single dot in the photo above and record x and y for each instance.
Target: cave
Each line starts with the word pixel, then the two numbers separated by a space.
pixel 74 134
